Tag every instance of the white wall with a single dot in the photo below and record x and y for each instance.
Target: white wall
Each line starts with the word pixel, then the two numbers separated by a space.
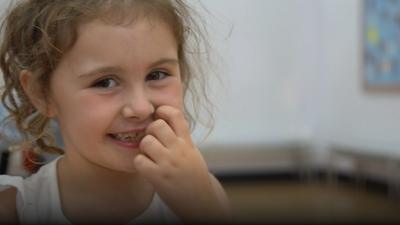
pixel 293 72
pixel 268 69
pixel 352 116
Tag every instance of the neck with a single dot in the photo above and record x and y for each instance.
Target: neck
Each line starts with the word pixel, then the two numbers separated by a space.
pixel 95 178
pixel 88 191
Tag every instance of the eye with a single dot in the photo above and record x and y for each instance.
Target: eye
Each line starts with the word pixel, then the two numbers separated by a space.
pixel 157 75
pixel 105 83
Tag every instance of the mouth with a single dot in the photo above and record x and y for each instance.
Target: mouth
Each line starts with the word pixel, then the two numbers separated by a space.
pixel 128 137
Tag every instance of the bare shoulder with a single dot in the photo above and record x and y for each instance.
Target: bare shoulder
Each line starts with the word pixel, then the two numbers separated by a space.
pixel 8 206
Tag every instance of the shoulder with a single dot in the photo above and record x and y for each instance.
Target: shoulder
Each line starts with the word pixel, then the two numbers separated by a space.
pixel 8 206
pixel 9 187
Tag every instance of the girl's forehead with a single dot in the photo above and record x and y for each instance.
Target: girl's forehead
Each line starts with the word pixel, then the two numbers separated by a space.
pixel 128 21
pixel 118 12
pixel 132 31
pixel 129 13
pixel 136 45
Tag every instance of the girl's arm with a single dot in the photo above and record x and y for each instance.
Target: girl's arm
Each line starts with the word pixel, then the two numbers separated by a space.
pixel 178 172
pixel 8 206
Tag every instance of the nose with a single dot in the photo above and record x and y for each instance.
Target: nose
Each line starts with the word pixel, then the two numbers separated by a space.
pixel 138 105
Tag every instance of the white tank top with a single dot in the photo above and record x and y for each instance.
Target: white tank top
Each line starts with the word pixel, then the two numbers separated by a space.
pixel 38 200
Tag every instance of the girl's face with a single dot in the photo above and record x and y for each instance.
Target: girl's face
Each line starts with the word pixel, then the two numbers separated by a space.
pixel 106 88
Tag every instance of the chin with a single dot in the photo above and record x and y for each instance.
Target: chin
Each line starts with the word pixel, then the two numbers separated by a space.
pixel 127 168
pixel 120 165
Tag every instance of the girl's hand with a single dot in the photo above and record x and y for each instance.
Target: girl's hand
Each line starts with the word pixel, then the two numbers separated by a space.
pixel 178 172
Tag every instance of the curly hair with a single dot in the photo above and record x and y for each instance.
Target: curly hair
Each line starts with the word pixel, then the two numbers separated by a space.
pixel 37 33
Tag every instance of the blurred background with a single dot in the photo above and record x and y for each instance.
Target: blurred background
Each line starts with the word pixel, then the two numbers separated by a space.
pixel 307 109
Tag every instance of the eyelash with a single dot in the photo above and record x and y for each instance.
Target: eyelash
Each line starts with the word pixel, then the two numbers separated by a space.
pixel 150 77
pixel 100 83
pixel 155 73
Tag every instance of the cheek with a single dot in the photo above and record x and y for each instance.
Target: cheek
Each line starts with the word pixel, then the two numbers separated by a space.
pixel 96 112
pixel 84 113
pixel 171 96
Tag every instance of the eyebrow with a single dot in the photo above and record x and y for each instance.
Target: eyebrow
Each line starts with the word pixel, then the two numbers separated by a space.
pixel 116 69
pixel 163 61
pixel 103 69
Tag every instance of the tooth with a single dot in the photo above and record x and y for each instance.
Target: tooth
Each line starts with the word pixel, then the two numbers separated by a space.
pixel 128 137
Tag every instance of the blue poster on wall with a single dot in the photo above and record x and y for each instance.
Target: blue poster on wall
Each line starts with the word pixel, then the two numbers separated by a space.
pixel 381 33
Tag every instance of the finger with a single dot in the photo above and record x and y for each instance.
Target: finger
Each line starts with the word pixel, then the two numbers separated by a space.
pixel 161 130
pixel 153 149
pixel 175 118
pixel 145 166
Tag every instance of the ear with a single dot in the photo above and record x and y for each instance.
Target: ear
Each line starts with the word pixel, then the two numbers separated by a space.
pixel 31 90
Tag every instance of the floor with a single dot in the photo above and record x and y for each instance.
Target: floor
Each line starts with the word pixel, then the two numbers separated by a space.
pixel 308 202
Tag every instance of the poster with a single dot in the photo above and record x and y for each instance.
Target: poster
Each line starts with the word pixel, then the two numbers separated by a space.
pixel 381 44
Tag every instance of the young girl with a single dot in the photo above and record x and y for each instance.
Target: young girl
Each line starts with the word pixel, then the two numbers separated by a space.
pixel 114 75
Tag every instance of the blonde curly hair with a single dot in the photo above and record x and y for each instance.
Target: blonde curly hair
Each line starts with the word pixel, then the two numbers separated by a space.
pixel 37 33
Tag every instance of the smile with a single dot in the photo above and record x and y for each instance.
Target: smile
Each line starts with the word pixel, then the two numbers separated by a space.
pixel 131 137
